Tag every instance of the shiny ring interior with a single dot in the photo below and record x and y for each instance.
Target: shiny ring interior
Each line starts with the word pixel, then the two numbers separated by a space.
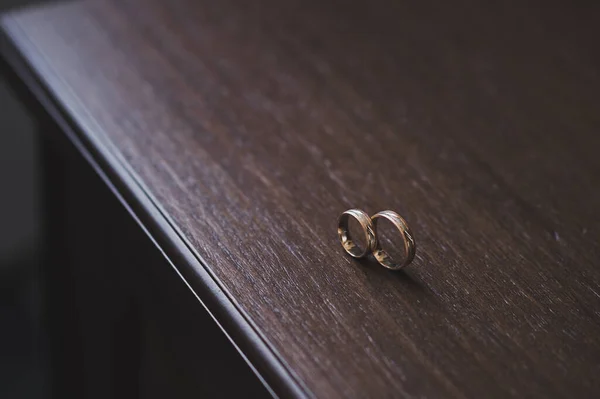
pixel 345 237
pixel 409 243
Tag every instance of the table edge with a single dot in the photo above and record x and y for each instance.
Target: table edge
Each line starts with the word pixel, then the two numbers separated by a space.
pixel 254 348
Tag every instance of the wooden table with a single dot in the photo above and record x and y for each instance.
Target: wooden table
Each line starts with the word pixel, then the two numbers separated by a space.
pixel 234 133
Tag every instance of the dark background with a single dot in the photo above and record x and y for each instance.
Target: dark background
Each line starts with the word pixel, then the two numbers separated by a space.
pixel 22 360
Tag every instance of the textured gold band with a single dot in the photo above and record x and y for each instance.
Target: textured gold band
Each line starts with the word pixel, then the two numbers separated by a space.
pixel 409 243
pixel 344 233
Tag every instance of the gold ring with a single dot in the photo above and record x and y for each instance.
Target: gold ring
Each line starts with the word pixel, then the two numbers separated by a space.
pixel 409 243
pixel 344 233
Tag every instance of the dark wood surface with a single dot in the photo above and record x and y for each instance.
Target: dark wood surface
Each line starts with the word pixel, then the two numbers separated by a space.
pixel 247 127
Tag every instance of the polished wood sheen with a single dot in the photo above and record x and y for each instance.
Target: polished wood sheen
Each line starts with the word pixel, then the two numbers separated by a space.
pixel 238 131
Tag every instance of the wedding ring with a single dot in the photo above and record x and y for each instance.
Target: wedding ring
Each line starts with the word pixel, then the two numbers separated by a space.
pixel 345 237
pixel 409 243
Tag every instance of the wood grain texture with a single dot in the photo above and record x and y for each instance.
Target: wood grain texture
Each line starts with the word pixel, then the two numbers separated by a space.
pixel 252 125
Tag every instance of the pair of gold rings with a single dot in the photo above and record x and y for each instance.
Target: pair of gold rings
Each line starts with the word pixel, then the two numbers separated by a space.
pixel 369 227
